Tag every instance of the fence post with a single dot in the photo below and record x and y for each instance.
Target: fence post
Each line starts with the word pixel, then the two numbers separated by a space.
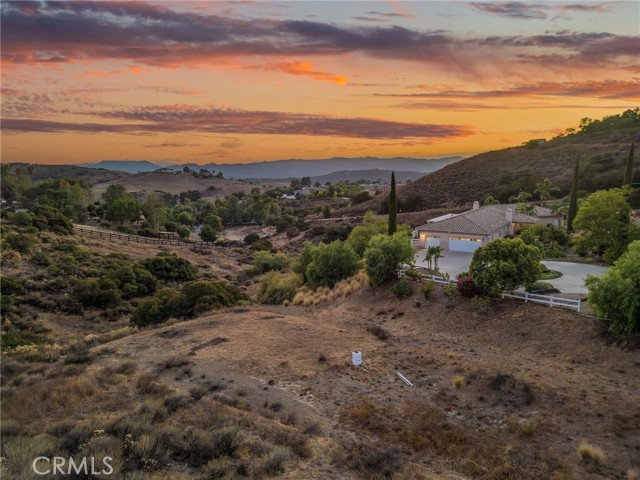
pixel 579 303
pixel 526 296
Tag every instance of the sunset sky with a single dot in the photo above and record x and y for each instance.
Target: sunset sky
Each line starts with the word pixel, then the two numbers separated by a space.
pixel 236 82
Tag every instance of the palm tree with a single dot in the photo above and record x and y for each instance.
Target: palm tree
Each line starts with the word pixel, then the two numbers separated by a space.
pixel 437 253
pixel 544 189
pixel 429 257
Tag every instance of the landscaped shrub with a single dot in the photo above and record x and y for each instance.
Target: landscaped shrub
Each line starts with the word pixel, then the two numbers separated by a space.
pixel 384 256
pixel 264 262
pixel 466 286
pixel 168 266
pixel 450 294
pixel 276 287
pixel 427 290
pixel 541 287
pixel 402 289
pixel 481 304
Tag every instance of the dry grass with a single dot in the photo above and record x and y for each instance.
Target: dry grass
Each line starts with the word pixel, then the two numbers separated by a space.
pixel 458 381
pixel 633 474
pixel 307 297
pixel 591 454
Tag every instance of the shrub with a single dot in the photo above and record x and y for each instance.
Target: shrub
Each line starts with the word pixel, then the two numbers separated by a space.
pixel 276 287
pixel 427 290
pixel 251 238
pixel 402 289
pixel 466 286
pixel 541 287
pixel 615 295
pixel 194 299
pixel 330 263
pixel 385 254
pixel 262 245
pixel 11 286
pixel 199 297
pixel 20 242
pixel 168 266
pixel 208 233
pixel 505 264
pixel 481 304
pixel 264 262
pixel 450 293
pixel 97 293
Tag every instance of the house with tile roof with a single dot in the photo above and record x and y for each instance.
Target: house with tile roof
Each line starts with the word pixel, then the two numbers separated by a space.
pixel 464 232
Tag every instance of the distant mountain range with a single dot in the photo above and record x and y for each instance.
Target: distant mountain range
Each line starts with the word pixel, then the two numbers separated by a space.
pixel 290 168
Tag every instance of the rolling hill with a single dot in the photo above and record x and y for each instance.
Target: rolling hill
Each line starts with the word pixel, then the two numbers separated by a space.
pixel 148 182
pixel 602 149
pixel 291 168
pixel 56 172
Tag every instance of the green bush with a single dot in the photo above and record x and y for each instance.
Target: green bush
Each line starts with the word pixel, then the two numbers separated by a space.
pixel 52 219
pixel 194 298
pixel 97 293
pixel 261 245
pixel 450 294
pixel 168 266
pixel 481 304
pixel 276 287
pixel 541 287
pixel 251 238
pixel 11 286
pixel 402 289
pixel 19 242
pixel 615 295
pixel 16 338
pixel 208 233
pixel 427 290
pixel 385 254
pixel 134 281
pixel 164 305
pixel 505 264
pixel 264 262
pixel 202 296
pixel 330 263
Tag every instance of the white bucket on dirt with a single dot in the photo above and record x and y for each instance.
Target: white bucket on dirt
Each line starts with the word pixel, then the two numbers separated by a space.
pixel 356 358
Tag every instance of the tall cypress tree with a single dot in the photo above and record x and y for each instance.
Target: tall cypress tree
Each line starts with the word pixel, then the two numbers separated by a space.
pixel 573 198
pixel 393 205
pixel 628 173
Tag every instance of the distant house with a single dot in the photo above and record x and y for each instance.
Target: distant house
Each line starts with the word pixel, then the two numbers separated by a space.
pixel 464 232
pixel 304 192
pixel 164 170
pixel 285 196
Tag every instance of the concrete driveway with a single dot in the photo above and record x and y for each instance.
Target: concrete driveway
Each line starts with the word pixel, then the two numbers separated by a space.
pixel 452 263
pixel 573 275
pixel 571 281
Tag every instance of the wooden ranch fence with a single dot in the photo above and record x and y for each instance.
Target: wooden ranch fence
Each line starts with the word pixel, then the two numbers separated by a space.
pixel 139 239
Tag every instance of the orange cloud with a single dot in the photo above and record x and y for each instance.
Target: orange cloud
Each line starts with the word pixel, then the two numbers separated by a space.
pixel 133 69
pixel 305 68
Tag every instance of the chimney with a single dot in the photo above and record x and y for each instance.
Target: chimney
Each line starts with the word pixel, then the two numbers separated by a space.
pixel 476 205
pixel 509 217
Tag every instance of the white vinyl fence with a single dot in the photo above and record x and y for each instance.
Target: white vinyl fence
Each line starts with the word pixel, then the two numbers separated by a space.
pixel 545 300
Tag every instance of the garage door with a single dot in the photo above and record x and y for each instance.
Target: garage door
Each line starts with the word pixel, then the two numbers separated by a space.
pixel 459 244
pixel 431 241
